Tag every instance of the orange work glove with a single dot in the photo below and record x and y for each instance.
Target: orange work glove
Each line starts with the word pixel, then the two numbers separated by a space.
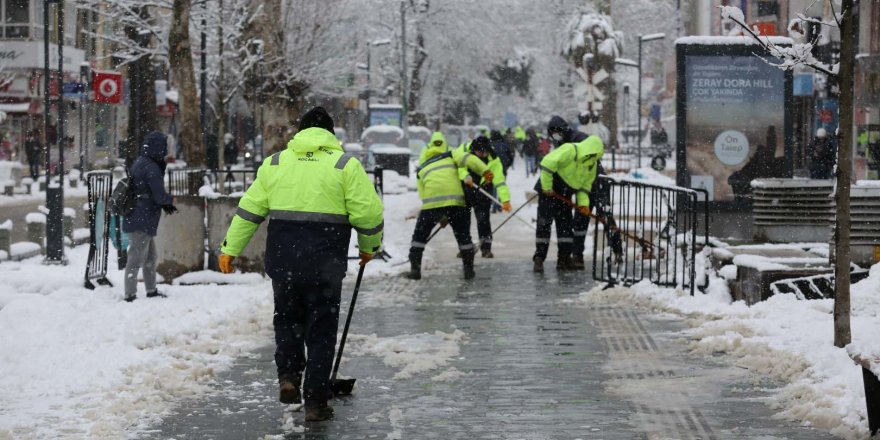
pixel 365 258
pixel 226 263
pixel 506 207
pixel 488 176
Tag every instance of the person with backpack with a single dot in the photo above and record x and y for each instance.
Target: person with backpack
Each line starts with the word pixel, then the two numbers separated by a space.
pixel 147 199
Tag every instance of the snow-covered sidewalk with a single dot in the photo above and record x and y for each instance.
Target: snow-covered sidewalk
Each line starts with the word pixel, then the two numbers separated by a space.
pixel 784 338
pixel 83 364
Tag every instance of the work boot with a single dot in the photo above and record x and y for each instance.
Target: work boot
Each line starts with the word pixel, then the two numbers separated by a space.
pixel 577 261
pixel 415 267
pixel 467 258
pixel 487 253
pixel 539 265
pixel 318 412
pixel 564 263
pixel 289 389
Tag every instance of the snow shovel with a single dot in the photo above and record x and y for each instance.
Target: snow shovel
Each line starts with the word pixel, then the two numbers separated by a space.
pixel 486 193
pixel 514 213
pixel 343 387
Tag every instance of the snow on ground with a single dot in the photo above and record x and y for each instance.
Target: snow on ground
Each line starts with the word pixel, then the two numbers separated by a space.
pixel 413 354
pixel 83 364
pixel 784 338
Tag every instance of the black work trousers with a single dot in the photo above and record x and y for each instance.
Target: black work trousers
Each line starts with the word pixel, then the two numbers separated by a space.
pixel 551 210
pixel 482 208
pixel 580 224
pixel 307 317
pixel 459 218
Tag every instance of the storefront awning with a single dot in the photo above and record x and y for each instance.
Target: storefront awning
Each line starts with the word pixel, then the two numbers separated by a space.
pixel 18 107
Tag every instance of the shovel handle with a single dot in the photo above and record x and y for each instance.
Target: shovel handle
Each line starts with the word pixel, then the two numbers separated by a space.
pixel 354 296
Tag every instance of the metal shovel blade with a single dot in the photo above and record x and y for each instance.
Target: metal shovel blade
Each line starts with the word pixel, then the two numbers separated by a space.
pixel 342 387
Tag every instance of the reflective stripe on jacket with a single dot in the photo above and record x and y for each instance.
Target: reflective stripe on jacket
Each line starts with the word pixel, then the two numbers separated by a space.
pixel 438 173
pixel 575 164
pixel 313 194
pixel 499 181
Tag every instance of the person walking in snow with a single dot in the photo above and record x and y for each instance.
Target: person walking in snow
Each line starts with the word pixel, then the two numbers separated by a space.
pixel 147 180
pixel 440 189
pixel 481 204
pixel 823 156
pixel 32 150
pixel 530 152
pixel 313 194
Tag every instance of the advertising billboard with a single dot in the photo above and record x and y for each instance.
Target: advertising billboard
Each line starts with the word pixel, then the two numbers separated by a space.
pixel 386 114
pixel 733 118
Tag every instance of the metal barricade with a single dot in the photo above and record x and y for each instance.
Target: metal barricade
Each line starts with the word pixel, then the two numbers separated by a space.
pixel 100 186
pixel 378 181
pixel 647 232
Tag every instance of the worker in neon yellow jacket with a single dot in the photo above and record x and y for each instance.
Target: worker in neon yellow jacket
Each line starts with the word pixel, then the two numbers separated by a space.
pixel 478 201
pixel 443 200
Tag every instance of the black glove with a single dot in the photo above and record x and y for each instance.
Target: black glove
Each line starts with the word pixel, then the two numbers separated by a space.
pixel 169 209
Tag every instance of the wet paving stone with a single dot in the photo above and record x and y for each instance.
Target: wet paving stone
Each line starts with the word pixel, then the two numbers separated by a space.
pixel 533 367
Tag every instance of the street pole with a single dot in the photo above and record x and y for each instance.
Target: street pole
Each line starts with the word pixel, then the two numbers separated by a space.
pixel 403 97
pixel 639 107
pixel 369 82
pixel 46 84
pixel 55 195
pixel 83 98
pixel 203 83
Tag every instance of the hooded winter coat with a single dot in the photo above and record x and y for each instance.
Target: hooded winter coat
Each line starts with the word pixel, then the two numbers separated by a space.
pixel 438 177
pixel 147 177
pixel 569 135
pixel 313 195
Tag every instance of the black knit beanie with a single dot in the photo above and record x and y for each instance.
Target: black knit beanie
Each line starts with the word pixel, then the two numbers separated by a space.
pixel 316 117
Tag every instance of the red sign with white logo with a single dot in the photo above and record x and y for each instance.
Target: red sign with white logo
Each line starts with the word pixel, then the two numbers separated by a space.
pixel 108 87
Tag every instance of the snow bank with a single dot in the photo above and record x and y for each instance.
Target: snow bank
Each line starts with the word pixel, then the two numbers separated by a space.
pixel 413 354
pixel 83 364
pixel 782 337
pixel 6 226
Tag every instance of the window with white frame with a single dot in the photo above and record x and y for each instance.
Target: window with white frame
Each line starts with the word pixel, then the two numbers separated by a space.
pixel 16 18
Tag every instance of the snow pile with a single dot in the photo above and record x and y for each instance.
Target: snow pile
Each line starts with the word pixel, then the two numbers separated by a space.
pixel 83 364
pixel 785 338
pixel 413 354
pixel 6 226
pixel 35 217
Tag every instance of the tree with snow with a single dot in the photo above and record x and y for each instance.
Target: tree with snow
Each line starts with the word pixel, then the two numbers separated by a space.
pixel 591 47
pixel 801 54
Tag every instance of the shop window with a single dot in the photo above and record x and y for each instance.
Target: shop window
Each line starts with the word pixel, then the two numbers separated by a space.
pixel 16 18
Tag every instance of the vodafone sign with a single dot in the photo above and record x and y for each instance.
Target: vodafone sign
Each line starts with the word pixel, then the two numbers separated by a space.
pixel 108 87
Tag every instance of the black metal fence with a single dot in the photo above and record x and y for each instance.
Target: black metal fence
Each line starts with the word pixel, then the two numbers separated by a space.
pixel 100 186
pixel 188 181
pixel 647 232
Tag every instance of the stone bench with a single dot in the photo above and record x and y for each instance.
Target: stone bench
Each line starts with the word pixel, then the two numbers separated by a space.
pixel 870 364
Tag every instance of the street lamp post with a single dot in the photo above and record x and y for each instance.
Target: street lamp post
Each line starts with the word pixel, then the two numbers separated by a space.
pixel 203 86
pixel 643 39
pixel 370 45
pixel 403 91
pixel 54 195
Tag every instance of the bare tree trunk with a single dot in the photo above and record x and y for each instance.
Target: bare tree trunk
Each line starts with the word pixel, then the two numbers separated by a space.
pixel 221 85
pixel 608 115
pixel 142 102
pixel 415 82
pixel 180 57
pixel 280 105
pixel 842 331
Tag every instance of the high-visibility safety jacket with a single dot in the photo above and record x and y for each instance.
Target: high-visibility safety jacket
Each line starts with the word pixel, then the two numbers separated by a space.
pixel 313 194
pixel 494 164
pixel 519 133
pixel 575 165
pixel 438 178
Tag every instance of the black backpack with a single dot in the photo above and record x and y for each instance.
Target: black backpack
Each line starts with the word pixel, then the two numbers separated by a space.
pixel 123 198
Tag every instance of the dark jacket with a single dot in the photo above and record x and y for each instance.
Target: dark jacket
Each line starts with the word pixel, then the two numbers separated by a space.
pixel 823 156
pixel 230 153
pixel 32 149
pixel 147 177
pixel 530 145
pixel 502 149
